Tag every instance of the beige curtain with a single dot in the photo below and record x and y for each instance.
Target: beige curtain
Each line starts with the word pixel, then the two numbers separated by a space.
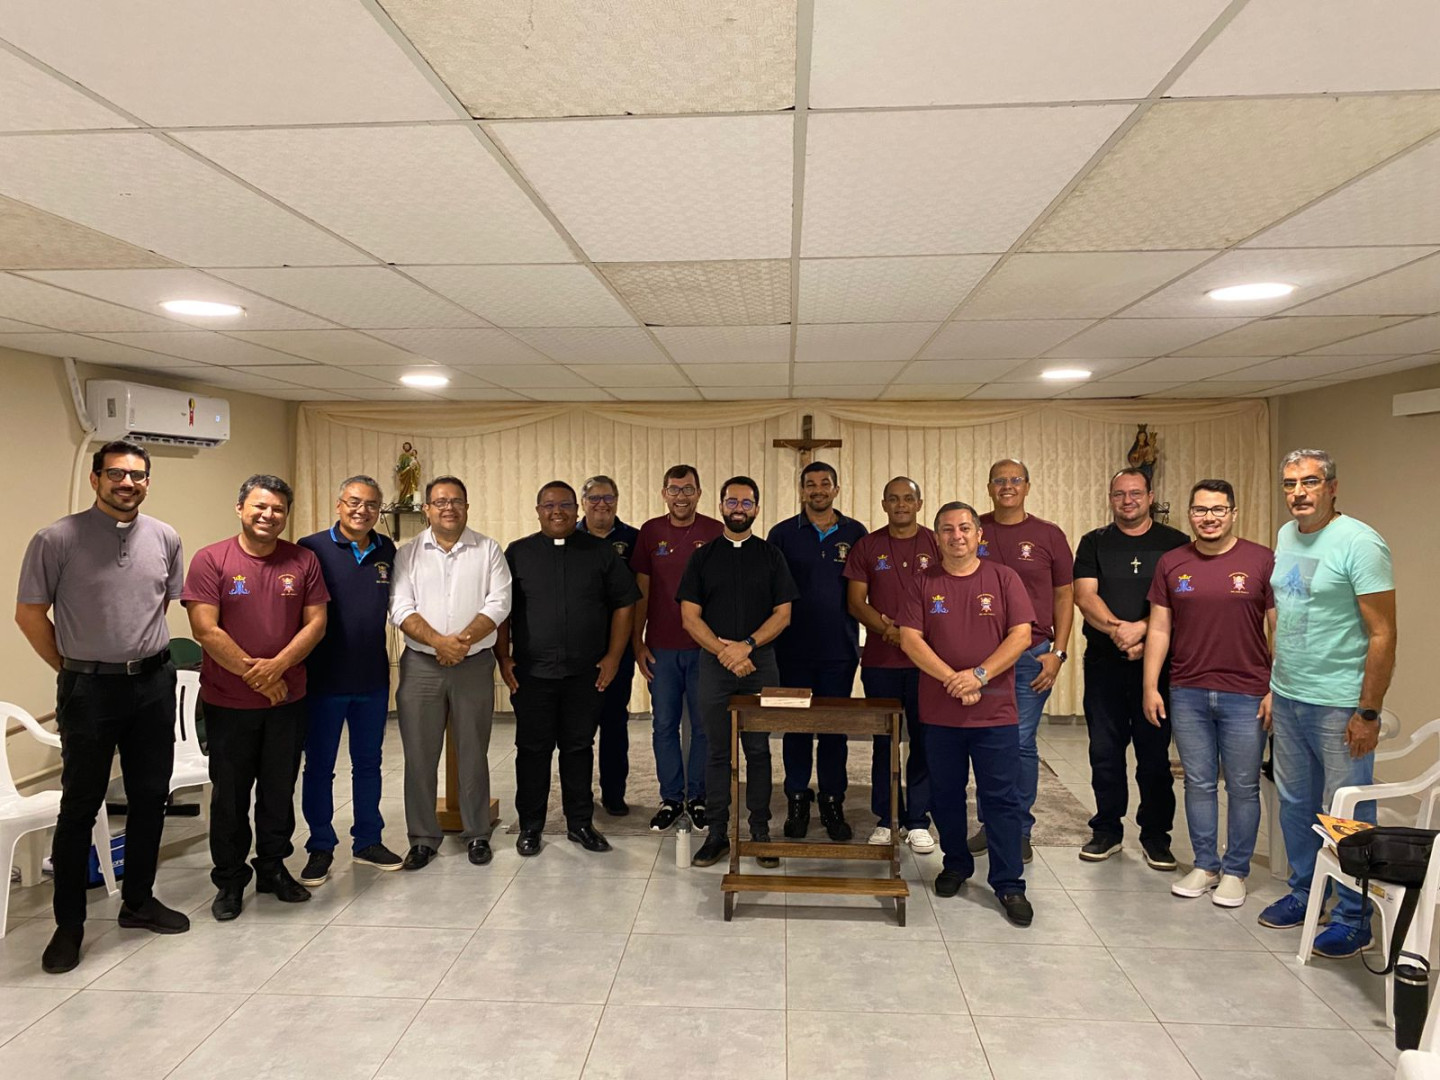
pixel 505 452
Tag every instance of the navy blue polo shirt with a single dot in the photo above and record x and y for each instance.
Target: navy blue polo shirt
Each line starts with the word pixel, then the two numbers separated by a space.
pixel 351 658
pixel 622 538
pixel 821 629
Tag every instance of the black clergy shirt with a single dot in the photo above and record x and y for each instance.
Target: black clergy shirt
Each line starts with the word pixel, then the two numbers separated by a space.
pixel 564 594
pixel 737 585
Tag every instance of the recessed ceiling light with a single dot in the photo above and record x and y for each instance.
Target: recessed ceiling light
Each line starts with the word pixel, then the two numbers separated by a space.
pixel 425 382
pixel 1065 373
pixel 202 307
pixel 1260 290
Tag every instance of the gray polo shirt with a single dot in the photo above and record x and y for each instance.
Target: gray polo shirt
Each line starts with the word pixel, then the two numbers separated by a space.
pixel 107 581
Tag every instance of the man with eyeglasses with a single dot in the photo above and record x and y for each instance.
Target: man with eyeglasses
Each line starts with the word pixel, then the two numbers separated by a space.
pixel 600 499
pixel 451 592
pixel 559 651
pixel 109 573
pixel 877 573
pixel 1210 603
pixel 1114 566
pixel 667 656
pixel 735 599
pixel 822 649
pixel 1334 655
pixel 349 681
pixel 1039 552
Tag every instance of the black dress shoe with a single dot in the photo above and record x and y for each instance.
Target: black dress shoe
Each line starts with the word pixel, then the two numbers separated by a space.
pixel 712 851
pixel 154 916
pixel 529 842
pixel 63 952
pixel 419 856
pixel 1017 908
pixel 832 816
pixel 797 818
pixel 760 834
pixel 228 902
pixel 282 886
pixel 615 807
pixel 480 852
pixel 588 838
pixel 948 882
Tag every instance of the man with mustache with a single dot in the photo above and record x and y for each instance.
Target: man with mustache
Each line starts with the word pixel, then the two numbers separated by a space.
pixel 735 600
pixel 257 606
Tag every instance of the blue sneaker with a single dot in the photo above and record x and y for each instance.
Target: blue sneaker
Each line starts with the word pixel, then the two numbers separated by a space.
pixel 1337 941
pixel 1284 914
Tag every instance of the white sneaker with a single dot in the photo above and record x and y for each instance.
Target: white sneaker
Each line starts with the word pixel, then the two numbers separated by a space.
pixel 921 841
pixel 1196 883
pixel 1230 892
pixel 881 835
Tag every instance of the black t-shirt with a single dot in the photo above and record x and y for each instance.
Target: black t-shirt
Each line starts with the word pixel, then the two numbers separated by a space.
pixel 1124 566
pixel 737 586
pixel 564 594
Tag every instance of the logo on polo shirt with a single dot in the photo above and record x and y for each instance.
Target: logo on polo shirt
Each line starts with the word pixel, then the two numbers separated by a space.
pixel 923 562
pixel 842 552
pixel 696 545
pixel 1027 550
pixel 287 585
pixel 1237 583
pixel 237 586
pixel 1182 584
pixel 984 549
pixel 663 548
pixel 937 605
pixel 987 603
pixel 382 573
pixel 621 548
pixel 882 562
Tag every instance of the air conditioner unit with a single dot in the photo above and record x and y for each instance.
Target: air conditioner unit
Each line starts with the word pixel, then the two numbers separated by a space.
pixel 150 414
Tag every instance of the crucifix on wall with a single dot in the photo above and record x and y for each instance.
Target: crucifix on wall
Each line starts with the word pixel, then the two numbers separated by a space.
pixel 807 444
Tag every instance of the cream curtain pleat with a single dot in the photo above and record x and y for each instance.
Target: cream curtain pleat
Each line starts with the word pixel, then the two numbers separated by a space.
pixel 505 452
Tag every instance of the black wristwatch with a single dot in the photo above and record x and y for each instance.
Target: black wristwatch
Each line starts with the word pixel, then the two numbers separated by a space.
pixel 1061 653
pixel 751 641
pixel 1370 716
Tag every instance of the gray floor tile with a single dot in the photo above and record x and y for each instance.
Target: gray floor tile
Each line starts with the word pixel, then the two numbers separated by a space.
pixel 1125 872
pixel 631 856
pixel 1057 981
pixel 1383 1043
pixel 602 904
pixel 1347 987
pixel 326 901
pixel 1268 1053
pixel 870 974
pixel 864 1045
pixel 1022 1049
pixel 535 965
pixel 973 914
pixel 697 1044
pixel 689 904
pixel 719 972
pixel 485 1040
pixel 370 961
pixel 459 901
pixel 104 947
pixel 22 1006
pixel 236 957
pixel 814 915
pixel 1224 987
pixel 1160 920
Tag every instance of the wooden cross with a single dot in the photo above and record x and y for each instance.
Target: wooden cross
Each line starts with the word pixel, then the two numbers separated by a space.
pixel 807 444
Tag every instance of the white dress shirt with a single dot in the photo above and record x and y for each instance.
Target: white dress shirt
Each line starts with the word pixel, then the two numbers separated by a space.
pixel 449 588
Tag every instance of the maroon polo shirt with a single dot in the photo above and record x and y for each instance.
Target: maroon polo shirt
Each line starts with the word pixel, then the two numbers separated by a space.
pixel 1038 551
pixel 885 564
pixel 661 552
pixel 964 619
pixel 1217 616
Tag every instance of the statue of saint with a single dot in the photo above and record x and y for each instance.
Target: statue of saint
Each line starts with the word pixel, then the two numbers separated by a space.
pixel 407 477
pixel 1144 453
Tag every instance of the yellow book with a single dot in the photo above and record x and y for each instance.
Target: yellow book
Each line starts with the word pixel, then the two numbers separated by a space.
pixel 1334 828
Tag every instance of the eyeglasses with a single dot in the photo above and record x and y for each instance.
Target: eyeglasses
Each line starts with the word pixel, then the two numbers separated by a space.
pixel 371 505
pixel 739 504
pixel 1210 511
pixel 1309 483
pixel 551 507
pixel 446 504
pixel 599 500
pixel 675 492
pixel 139 476
pixel 1008 481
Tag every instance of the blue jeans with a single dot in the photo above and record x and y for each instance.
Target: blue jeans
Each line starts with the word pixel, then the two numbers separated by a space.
pixel 1030 704
pixel 1311 761
pixel 1214 730
pixel 676 685
pixel 902 683
pixel 328 714
pixel 826 753
pixel 995 752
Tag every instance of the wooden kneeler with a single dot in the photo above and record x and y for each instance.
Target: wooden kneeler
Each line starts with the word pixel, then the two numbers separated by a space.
pixel 447 809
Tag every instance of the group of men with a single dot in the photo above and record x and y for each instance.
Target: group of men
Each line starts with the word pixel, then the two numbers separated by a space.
pixel 966 624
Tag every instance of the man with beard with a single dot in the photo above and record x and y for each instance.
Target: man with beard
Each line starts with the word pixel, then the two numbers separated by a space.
pixel 600 499
pixel 878 571
pixel 822 649
pixel 735 600
pixel 667 656
pixel 109 573
pixel 257 607
pixel 574 602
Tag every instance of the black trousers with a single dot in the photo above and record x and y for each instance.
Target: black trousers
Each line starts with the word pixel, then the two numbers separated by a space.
pixel 260 749
pixel 553 714
pixel 1116 719
pixel 716 687
pixel 614 751
pixel 99 714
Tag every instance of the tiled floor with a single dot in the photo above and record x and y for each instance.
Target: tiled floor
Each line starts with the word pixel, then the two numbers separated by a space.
pixel 620 965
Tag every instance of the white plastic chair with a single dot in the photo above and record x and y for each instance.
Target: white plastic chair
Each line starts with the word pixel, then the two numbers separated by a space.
pixel 1386 898
pixel 192 767
pixel 23 814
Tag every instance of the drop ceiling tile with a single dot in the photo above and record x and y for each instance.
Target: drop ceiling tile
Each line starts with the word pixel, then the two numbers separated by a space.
pixel 479 393
pixel 92 349
pixel 346 348
pixel 1405 363
pixel 1289 368
pixel 726 344
pixel 35 101
pixel 556 58
pixel 1001 339
pixel 156 196
pixel 392 393
pixel 656 393
pixel 1410 290
pixel 1099 369
pixel 45 305
pixel 744 393
pixel 557 394
pixel 204 347
pixel 1313 272
pixel 867 392
pixel 831 342
pixel 595 345
pixel 1415 336
pixel 1075 285
pixel 1120 388
pixel 394 191
pixel 644 376
pixel 1169 368
pixel 1144 337
pixel 392 373
pixel 817 377
pixel 929 391
pixel 887 290
pixel 304 393
pixel 321 376
pixel 1220 388
pixel 1015 391
pixel 11 326
pixel 1207 174
pixel 243 379
pixel 528 295
pixel 746 293
pixel 145 290
pixel 31 239
pixel 638 190
pixel 1319 46
pixel 1396 204
pixel 940 372
pixel 462 346
pixel 363 297
pixel 940 182
pixel 264 62
pixel 1278 336
pixel 543 374
pixel 937 52
pixel 739 375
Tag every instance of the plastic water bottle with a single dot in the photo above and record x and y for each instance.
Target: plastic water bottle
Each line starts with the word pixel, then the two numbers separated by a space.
pixel 682 842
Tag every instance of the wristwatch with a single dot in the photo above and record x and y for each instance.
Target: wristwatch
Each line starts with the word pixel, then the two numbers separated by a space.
pixel 981 674
pixel 1061 653
pixel 1370 716
pixel 751 641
